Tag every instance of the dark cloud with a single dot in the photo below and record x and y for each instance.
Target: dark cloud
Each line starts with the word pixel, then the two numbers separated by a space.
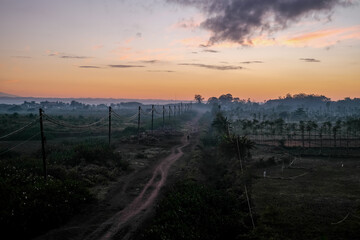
pixel 215 67
pixel 138 35
pixel 313 60
pixel 151 61
pixel 126 66
pixel 194 52
pixel 210 51
pixel 250 62
pixel 163 71
pixel 73 57
pixel 241 20
pixel 89 67
pixel 67 56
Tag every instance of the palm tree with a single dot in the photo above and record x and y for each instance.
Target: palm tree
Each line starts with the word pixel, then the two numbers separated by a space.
pixel 335 130
pixel 302 130
pixel 221 124
pixel 328 127
pixel 309 127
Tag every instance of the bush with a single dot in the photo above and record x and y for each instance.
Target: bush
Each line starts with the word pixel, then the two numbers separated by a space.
pixel 29 205
pixel 88 152
pixel 193 211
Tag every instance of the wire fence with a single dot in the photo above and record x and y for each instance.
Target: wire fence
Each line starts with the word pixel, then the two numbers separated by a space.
pixel 52 125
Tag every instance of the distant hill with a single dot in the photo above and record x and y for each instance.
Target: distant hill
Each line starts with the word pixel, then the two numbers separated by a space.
pixel 7 95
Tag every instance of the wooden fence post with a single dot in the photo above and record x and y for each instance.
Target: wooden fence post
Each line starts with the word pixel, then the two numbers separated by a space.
pixel 43 142
pixel 109 126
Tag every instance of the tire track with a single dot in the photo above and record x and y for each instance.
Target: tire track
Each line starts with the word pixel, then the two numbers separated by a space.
pixel 124 218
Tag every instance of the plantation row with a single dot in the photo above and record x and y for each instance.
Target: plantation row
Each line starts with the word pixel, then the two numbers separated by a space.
pixel 304 134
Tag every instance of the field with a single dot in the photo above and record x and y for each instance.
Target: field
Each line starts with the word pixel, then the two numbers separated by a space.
pixel 81 165
pixel 315 198
pixel 179 176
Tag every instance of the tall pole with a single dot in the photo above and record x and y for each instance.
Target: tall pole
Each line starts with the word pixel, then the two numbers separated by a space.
pixel 169 112
pixel 139 113
pixel 109 126
pixel 245 188
pixel 163 116
pixel 152 118
pixel 43 142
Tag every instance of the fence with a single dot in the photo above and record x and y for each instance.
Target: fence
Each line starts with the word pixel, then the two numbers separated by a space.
pixel 109 119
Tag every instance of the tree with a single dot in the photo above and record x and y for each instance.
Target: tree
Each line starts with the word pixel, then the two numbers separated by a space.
pixel 213 100
pixel 221 124
pixel 309 127
pixel 302 130
pixel 198 98
pixel 226 98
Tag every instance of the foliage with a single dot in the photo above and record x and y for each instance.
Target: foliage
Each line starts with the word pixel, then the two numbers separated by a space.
pixel 198 98
pixel 90 152
pixel 194 211
pixel 29 205
pixel 221 124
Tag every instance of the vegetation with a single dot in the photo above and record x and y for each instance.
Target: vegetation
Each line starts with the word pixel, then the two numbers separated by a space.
pixel 291 161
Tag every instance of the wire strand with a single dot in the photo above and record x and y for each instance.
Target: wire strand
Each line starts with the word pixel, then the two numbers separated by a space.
pixel 64 124
pixel 27 140
pixel 20 129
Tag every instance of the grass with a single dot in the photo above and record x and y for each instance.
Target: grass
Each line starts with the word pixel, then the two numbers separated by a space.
pixel 195 211
pixel 29 205
pixel 306 207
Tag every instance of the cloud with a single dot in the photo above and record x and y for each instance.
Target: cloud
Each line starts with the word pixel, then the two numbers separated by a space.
pixel 73 57
pixel 312 60
pixel 126 66
pixel 89 67
pixel 210 51
pixel 138 35
pixel 250 62
pixel 150 61
pixel 64 56
pixel 241 20
pixel 191 24
pixel 324 38
pixel 214 67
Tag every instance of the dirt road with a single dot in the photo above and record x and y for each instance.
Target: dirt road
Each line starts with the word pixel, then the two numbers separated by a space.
pixel 122 212
pixel 130 217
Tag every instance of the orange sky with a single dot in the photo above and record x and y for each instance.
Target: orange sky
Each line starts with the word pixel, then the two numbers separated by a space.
pixel 65 52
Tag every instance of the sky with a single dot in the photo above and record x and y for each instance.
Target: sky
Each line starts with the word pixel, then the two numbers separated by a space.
pixel 174 49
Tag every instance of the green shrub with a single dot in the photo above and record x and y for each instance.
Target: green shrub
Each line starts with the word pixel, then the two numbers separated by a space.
pixel 29 205
pixel 193 211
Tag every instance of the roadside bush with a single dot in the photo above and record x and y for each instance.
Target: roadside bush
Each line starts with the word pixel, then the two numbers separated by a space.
pixel 194 211
pixel 29 205
pixel 88 152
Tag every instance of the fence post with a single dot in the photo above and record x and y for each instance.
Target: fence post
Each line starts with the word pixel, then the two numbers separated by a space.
pixel 152 118
pixel 139 122
pixel 169 112
pixel 245 188
pixel 163 116
pixel 43 142
pixel 109 126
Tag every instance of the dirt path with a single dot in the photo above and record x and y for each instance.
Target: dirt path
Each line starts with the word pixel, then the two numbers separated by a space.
pixel 128 203
pixel 129 217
